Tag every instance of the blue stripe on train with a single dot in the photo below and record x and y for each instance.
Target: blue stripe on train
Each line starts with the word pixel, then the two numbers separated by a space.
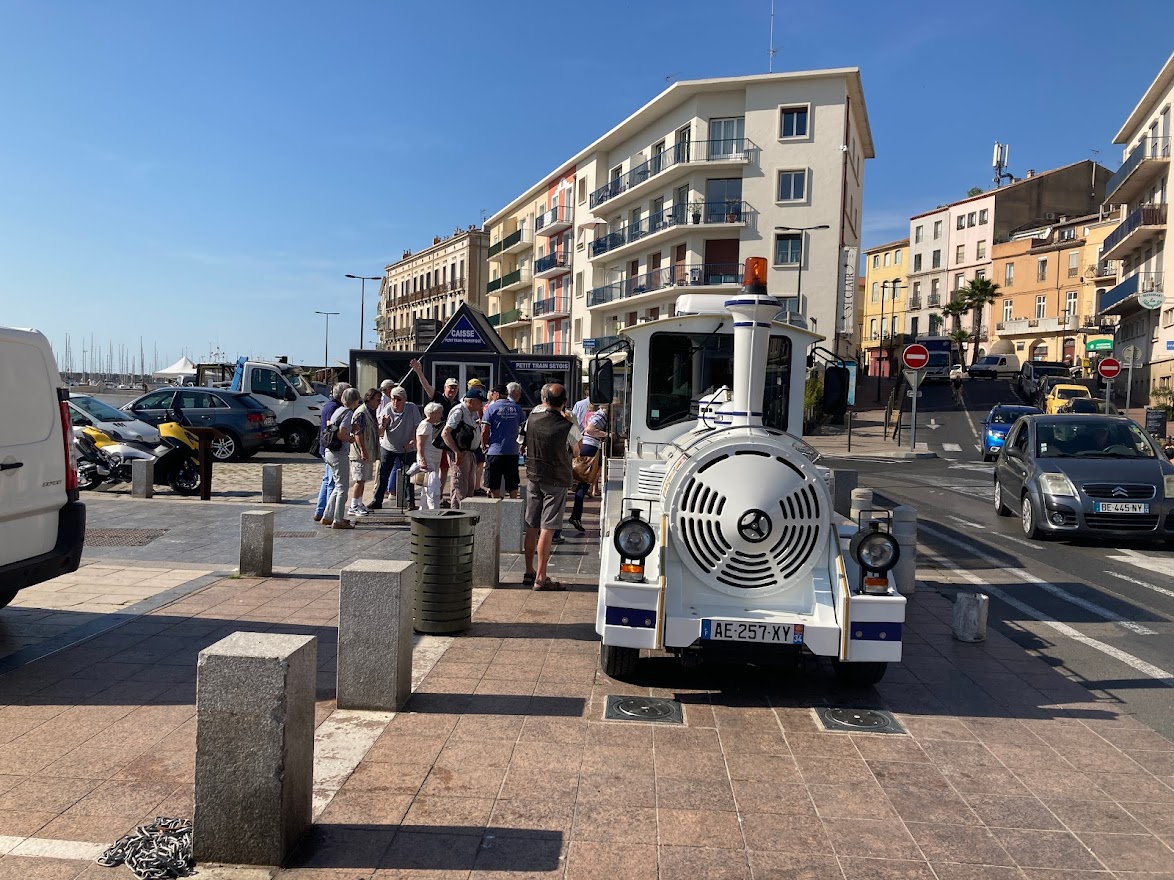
pixel 876 632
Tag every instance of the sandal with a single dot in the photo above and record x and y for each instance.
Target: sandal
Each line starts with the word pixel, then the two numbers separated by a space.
pixel 548 585
pixel 528 578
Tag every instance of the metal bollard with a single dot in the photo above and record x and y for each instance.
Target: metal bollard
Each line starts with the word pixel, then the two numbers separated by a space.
pixel 142 478
pixel 844 481
pixel 256 556
pixel 970 613
pixel 375 599
pixel 270 484
pixel 861 503
pixel 905 531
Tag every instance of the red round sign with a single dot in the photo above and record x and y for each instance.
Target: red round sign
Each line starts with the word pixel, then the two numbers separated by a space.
pixel 915 356
pixel 1109 368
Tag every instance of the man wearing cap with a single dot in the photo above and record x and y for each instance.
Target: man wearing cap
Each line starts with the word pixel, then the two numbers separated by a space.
pixel 398 420
pixel 502 419
pixel 462 435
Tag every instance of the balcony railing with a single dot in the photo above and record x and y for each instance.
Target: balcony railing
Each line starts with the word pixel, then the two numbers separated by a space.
pixel 443 289
pixel 676 215
pixel 560 347
pixel 915 303
pixel 551 262
pixel 934 301
pixel 502 318
pixel 1141 282
pixel 555 220
pixel 597 343
pixel 495 249
pixel 731 149
pixel 1149 148
pixel 508 280
pixel 554 305
pixel 1146 215
pixel 665 277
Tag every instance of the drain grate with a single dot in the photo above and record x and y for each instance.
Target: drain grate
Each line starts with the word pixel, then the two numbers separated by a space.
pixel 122 537
pixel 296 534
pixel 655 709
pixel 859 720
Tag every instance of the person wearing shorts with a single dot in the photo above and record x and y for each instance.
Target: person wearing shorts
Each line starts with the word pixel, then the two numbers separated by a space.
pixel 552 437
pixel 365 428
pixel 502 419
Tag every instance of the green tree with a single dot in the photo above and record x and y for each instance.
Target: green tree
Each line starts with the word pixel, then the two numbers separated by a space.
pixel 977 295
pixel 974 191
pixel 954 310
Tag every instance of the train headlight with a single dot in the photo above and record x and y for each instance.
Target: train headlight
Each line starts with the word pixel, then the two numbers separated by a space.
pixel 634 538
pixel 876 552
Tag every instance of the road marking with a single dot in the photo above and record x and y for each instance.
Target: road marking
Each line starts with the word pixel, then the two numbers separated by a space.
pixel 951 447
pixel 1141 583
pixel 965 522
pixel 984 467
pixel 1157 673
pixel 1019 541
pixel 1046 586
pixel 1157 564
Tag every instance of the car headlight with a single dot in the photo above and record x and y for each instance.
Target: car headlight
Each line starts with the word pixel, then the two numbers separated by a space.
pixel 875 550
pixel 1056 484
pixel 1168 479
pixel 634 538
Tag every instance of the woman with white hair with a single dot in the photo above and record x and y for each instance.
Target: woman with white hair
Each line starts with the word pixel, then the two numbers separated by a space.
pixel 339 460
pixel 429 455
pixel 327 486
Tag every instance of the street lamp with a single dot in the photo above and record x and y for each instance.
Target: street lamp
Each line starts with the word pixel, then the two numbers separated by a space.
pixel 880 345
pixel 363 279
pixel 326 353
pixel 802 230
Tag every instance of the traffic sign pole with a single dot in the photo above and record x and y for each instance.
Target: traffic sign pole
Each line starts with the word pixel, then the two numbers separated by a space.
pixel 1110 369
pixel 915 357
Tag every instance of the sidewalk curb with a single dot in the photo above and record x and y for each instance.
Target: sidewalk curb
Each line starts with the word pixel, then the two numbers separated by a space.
pixel 882 456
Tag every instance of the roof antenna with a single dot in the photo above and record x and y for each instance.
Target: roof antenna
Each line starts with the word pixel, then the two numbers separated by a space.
pixel 772 51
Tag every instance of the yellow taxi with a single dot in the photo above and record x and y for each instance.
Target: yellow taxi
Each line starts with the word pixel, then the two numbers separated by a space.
pixel 1061 394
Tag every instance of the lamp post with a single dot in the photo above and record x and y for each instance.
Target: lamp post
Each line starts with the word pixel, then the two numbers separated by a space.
pixel 363 279
pixel 802 230
pixel 326 353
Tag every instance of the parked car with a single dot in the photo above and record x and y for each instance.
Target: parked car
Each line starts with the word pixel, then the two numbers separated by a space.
pixel 995 366
pixel 87 410
pixel 1089 406
pixel 42 522
pixel 957 371
pixel 996 425
pixel 1060 394
pixel 245 425
pixel 1085 475
pixel 1033 372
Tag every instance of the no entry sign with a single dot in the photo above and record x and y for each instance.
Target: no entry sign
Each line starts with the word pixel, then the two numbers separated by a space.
pixel 1109 368
pixel 915 356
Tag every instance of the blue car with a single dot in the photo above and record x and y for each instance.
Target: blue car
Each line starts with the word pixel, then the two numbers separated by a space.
pixel 996 425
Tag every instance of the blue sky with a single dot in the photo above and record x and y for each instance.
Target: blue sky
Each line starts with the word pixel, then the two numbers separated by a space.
pixel 204 175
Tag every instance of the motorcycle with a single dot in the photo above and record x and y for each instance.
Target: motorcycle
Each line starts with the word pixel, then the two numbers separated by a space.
pixel 105 458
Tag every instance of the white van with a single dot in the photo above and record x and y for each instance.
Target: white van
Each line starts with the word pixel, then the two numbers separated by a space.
pixel 42 522
pixel 995 366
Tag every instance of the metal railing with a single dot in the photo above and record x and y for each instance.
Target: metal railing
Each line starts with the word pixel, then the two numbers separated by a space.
pixel 553 261
pixel 554 305
pixel 934 301
pixel 506 280
pixel 718 149
pixel 560 214
pixel 457 284
pixel 676 215
pixel 1146 215
pixel 509 317
pixel 595 343
pixel 665 277
pixel 915 303
pixel 1148 148
pixel 560 347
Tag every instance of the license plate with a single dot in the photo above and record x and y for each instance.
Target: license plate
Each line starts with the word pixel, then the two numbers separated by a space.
pixel 1120 507
pixel 749 631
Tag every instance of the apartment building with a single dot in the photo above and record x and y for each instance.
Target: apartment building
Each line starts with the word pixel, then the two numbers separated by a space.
pixel 422 290
pixel 1049 281
pixel 678 195
pixel 929 242
pixel 1138 244
pixel 884 304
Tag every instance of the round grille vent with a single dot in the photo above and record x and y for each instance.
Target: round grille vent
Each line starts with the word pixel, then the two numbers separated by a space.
pixel 748 515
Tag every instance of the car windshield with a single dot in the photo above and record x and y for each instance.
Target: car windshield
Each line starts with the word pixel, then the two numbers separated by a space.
pixel 300 384
pixel 1049 371
pixel 96 409
pixel 1069 393
pixel 1092 438
pixel 1008 416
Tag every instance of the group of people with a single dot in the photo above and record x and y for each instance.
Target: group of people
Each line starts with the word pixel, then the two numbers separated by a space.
pixel 471 440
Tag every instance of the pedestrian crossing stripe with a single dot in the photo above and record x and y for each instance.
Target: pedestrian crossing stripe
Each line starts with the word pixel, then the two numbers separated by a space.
pixel 951 447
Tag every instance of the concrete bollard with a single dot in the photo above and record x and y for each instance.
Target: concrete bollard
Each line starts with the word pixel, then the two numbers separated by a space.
pixel 970 613
pixel 254 789
pixel 375 599
pixel 513 524
pixel 844 483
pixel 270 484
pixel 486 540
pixel 256 557
pixel 905 531
pixel 142 478
pixel 861 501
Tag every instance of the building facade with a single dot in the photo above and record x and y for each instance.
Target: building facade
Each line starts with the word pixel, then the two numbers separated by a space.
pixel 679 194
pixel 1139 302
pixel 929 242
pixel 421 291
pixel 885 304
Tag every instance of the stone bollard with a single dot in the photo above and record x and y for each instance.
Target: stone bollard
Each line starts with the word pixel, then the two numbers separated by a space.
pixel 970 612
pixel 256 559
pixel 255 696
pixel 513 524
pixel 905 531
pixel 861 501
pixel 486 540
pixel 270 484
pixel 142 477
pixel 375 599
pixel 844 482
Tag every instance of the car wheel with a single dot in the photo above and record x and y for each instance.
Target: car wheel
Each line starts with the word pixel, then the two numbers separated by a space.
pixel 1001 509
pixel 297 438
pixel 1027 519
pixel 987 457
pixel 619 663
pixel 226 446
pixel 859 674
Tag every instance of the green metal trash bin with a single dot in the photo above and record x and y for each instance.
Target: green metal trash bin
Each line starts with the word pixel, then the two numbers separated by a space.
pixel 442 548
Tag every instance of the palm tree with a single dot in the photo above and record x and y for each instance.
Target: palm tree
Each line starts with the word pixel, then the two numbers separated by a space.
pixel 954 310
pixel 959 336
pixel 977 295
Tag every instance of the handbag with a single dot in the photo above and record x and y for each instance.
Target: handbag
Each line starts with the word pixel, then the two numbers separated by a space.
pixel 586 470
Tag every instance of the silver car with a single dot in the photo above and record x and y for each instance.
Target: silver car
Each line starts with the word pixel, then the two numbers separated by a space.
pixel 1085 475
pixel 118 424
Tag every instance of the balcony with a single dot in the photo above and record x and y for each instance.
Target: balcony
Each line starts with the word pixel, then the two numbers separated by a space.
pixel 934 301
pixel 1149 160
pixel 561 347
pixel 552 265
pixel 696 214
pixel 679 160
pixel 914 303
pixel 1142 226
pixel 1141 282
pixel 504 319
pixel 514 243
pixel 515 280
pixel 554 221
pixel 705 275
pixel 598 343
pixel 1103 269
pixel 1037 326
pixel 552 306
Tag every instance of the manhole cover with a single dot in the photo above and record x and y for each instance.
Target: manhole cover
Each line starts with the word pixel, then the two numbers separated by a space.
pixel 656 709
pixel 122 537
pixel 296 534
pixel 860 721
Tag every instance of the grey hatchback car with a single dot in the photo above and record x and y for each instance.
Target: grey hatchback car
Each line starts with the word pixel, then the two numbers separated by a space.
pixel 1085 475
pixel 246 426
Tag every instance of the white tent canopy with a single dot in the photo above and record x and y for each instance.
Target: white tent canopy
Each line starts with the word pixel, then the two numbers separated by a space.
pixel 181 369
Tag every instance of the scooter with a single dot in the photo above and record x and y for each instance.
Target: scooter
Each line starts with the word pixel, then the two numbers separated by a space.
pixel 102 458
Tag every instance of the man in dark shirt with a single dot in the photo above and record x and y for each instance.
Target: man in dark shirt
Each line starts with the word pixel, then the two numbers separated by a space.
pixel 552 437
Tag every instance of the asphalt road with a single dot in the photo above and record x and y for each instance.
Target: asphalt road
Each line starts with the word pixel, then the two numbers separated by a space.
pixel 1101 611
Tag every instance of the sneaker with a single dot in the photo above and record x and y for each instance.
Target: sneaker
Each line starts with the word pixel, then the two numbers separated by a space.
pixel 558 539
pixel 317 517
pixel 359 505
pixel 342 525
pixel 355 511
pixel 326 522
pixel 375 505
pixel 578 525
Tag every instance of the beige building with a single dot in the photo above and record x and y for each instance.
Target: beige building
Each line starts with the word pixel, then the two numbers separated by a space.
pixel 679 194
pixel 421 291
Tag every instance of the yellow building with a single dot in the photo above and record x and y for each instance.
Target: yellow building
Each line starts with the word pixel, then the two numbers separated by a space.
pixel 884 303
